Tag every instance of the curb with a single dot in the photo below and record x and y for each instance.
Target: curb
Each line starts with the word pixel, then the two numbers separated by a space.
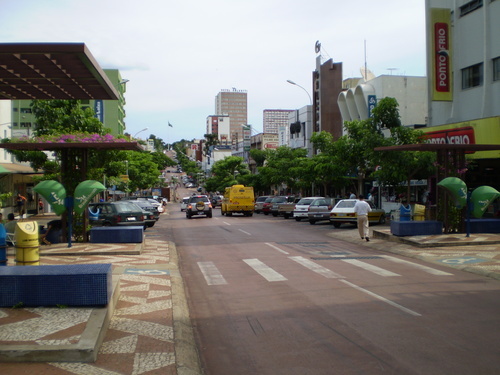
pixel 186 352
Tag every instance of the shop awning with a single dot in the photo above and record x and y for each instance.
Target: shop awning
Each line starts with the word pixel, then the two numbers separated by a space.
pixel 17 168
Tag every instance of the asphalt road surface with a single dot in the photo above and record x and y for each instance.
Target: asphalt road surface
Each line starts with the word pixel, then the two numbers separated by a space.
pixel 275 296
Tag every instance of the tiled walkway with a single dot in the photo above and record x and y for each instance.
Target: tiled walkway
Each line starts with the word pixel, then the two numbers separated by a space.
pixel 140 335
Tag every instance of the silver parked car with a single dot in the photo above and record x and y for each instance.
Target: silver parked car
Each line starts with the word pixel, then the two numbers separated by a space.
pixel 319 210
pixel 302 208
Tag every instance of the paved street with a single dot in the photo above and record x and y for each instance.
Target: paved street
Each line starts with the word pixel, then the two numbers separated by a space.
pixel 150 329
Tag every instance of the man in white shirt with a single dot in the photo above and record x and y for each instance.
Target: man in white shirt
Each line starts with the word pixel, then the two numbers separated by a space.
pixel 362 208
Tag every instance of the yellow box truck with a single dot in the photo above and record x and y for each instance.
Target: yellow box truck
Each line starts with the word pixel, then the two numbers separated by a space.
pixel 238 199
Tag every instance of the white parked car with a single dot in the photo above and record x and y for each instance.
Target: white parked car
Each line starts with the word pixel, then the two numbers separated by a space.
pixel 184 203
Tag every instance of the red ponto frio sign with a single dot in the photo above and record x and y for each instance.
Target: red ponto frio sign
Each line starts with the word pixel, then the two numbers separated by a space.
pixel 458 136
pixel 442 58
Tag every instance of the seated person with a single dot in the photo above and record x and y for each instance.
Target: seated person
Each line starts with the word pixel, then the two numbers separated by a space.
pixel 52 227
pixel 10 225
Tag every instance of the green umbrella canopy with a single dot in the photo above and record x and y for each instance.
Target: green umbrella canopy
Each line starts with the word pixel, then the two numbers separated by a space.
pixel 457 188
pixel 481 198
pixel 4 170
pixel 84 193
pixel 54 193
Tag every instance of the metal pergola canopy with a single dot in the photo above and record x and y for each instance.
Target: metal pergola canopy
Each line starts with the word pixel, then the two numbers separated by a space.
pixel 48 71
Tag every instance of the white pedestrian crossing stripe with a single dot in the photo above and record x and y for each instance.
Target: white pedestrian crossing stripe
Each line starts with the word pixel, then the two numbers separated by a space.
pixel 430 270
pixel 316 268
pixel 265 271
pixel 211 273
pixel 214 277
pixel 369 267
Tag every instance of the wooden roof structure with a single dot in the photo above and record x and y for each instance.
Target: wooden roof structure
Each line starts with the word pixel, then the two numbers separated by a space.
pixel 48 71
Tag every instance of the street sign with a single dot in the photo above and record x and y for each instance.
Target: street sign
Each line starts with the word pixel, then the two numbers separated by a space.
pixel 124 178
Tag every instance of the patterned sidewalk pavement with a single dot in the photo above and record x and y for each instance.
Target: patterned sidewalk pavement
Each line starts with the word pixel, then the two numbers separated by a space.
pixel 140 337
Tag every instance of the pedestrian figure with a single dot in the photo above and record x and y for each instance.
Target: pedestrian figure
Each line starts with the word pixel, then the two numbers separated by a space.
pixel 352 196
pixel 362 208
pixel 40 206
pixel 20 202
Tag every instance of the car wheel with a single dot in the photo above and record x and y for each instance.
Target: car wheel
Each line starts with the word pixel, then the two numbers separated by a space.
pixel 312 222
pixel 275 215
pixel 381 220
pixel 297 219
pixel 336 225
pixel 209 214
pixel 188 216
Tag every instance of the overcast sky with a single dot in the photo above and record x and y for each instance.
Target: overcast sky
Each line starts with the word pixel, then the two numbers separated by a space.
pixel 179 54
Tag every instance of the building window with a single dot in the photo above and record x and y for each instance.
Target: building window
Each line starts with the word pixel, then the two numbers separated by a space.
pixel 25 110
pixel 471 6
pixel 472 76
pixel 496 69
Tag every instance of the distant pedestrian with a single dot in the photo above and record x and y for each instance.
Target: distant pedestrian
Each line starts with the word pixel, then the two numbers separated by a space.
pixel 362 208
pixel 21 204
pixel 352 196
pixel 40 206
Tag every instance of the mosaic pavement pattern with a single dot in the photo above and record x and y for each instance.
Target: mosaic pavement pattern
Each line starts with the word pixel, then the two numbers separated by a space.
pixel 140 336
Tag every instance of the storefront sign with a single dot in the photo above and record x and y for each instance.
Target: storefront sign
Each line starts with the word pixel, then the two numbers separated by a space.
pixel 458 136
pixel 442 88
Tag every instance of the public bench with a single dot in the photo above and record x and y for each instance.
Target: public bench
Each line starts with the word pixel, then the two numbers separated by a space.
pixel 485 225
pixel 56 285
pixel 416 228
pixel 132 234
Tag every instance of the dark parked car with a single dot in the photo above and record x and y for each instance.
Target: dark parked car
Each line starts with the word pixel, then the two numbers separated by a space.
pixel 119 213
pixel 147 206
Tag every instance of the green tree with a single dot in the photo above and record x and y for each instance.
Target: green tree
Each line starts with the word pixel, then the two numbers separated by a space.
pixel 227 172
pixel 283 167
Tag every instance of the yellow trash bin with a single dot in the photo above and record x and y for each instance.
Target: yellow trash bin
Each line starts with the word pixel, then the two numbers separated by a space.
pixel 27 243
pixel 419 212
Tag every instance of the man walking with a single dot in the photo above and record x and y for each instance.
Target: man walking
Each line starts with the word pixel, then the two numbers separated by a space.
pixel 362 208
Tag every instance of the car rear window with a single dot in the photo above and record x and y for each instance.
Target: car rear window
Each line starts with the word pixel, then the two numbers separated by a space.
pixel 198 199
pixel 126 207
pixel 346 204
pixel 305 201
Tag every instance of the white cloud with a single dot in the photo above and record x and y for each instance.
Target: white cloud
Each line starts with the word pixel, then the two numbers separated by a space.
pixel 178 55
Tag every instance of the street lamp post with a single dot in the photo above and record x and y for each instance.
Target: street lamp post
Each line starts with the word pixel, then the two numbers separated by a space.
pixel 296 84
pixel 140 131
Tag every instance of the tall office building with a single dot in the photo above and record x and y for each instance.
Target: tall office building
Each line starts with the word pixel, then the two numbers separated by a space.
pixel 234 104
pixel 274 119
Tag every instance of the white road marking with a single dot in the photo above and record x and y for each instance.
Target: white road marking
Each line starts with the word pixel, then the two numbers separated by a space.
pixel 276 248
pixel 383 299
pixel 265 271
pixel 211 273
pixel 225 222
pixel 369 267
pixel 329 274
pixel 241 230
pixel 430 270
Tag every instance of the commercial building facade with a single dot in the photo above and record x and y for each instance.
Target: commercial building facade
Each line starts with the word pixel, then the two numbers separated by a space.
pixel 273 119
pixel 463 65
pixel 233 103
